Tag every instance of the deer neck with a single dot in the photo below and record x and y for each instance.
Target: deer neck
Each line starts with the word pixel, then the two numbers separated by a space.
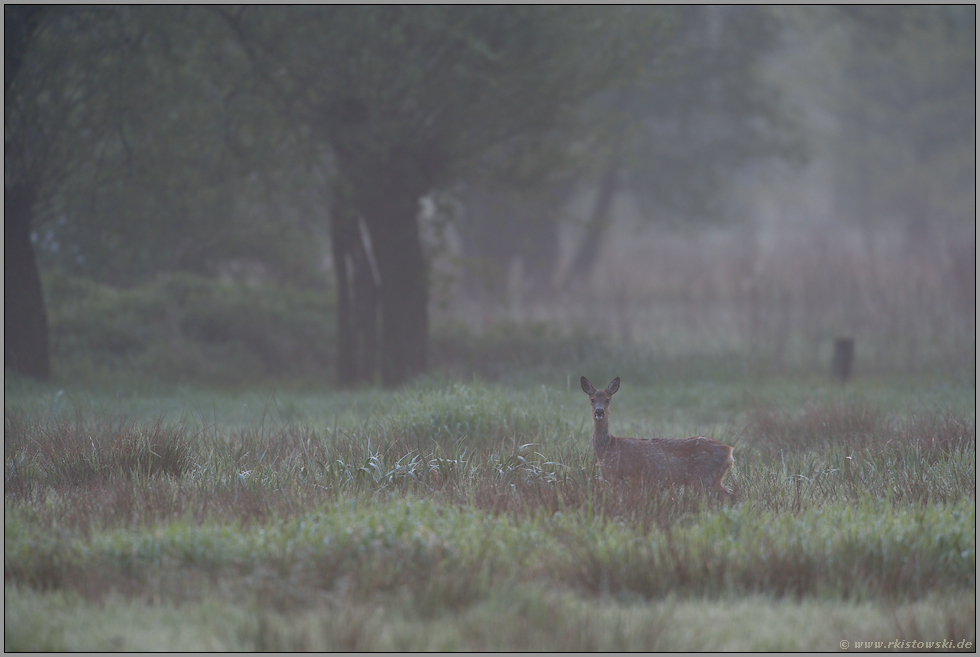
pixel 600 434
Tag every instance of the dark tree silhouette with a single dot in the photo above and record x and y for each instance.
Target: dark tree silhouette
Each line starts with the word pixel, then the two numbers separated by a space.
pixel 25 322
pixel 401 98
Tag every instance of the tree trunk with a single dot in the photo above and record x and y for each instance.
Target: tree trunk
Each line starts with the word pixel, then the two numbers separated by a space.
pixel 25 323
pixel 392 219
pixel 539 247
pixel 585 256
pixel 383 270
pixel 357 294
pixel 20 22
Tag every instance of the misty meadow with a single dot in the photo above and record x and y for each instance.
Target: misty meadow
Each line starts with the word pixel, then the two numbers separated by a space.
pixel 299 302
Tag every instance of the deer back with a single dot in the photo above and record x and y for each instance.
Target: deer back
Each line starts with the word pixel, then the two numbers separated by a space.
pixel 665 461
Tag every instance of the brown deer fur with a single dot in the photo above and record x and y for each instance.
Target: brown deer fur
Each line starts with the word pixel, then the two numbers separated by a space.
pixel 698 462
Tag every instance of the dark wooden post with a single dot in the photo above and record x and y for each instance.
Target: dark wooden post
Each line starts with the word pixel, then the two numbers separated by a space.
pixel 843 359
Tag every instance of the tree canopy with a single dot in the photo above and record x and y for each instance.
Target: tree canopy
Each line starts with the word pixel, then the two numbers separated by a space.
pixel 909 138
pixel 403 98
pixel 141 140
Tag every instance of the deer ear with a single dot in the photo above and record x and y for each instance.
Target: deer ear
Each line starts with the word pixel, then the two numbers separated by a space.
pixel 587 387
pixel 613 387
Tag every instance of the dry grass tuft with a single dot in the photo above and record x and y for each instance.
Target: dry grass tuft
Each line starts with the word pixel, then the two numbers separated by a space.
pixel 63 454
pixel 857 425
pixel 936 433
pixel 859 428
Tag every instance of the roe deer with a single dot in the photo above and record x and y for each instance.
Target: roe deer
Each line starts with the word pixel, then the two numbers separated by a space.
pixel 699 462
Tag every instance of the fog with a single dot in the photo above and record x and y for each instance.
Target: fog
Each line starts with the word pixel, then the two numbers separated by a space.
pixel 741 182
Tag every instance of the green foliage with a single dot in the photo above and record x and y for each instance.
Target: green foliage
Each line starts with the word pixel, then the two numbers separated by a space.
pixel 436 84
pixel 854 552
pixel 186 327
pixel 152 152
pixel 703 112
pixel 472 417
pixel 903 92
pixel 524 618
pixel 916 115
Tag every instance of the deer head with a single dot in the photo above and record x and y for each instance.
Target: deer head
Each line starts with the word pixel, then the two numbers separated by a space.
pixel 600 398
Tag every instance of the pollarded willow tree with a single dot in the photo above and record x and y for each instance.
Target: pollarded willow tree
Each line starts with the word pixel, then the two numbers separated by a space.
pixel 403 97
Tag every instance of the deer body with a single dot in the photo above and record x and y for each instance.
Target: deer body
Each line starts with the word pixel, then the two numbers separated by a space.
pixel 697 462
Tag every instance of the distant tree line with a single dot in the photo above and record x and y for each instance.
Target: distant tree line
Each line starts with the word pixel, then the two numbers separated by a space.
pixel 141 140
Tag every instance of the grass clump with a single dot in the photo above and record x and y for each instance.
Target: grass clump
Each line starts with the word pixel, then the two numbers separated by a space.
pixel 474 417
pixel 67 455
pixel 855 425
pixel 846 451
pixel 859 427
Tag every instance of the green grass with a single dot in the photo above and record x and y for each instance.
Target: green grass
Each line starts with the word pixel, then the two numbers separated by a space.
pixel 526 618
pixel 453 515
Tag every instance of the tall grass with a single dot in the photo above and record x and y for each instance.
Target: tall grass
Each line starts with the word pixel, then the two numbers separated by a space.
pixel 70 455
pixel 768 300
pixel 457 493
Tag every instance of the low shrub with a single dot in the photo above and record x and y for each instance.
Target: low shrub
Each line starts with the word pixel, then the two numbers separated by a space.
pixel 183 327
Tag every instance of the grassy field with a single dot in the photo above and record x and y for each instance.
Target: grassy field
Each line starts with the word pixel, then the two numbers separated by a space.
pixel 467 515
